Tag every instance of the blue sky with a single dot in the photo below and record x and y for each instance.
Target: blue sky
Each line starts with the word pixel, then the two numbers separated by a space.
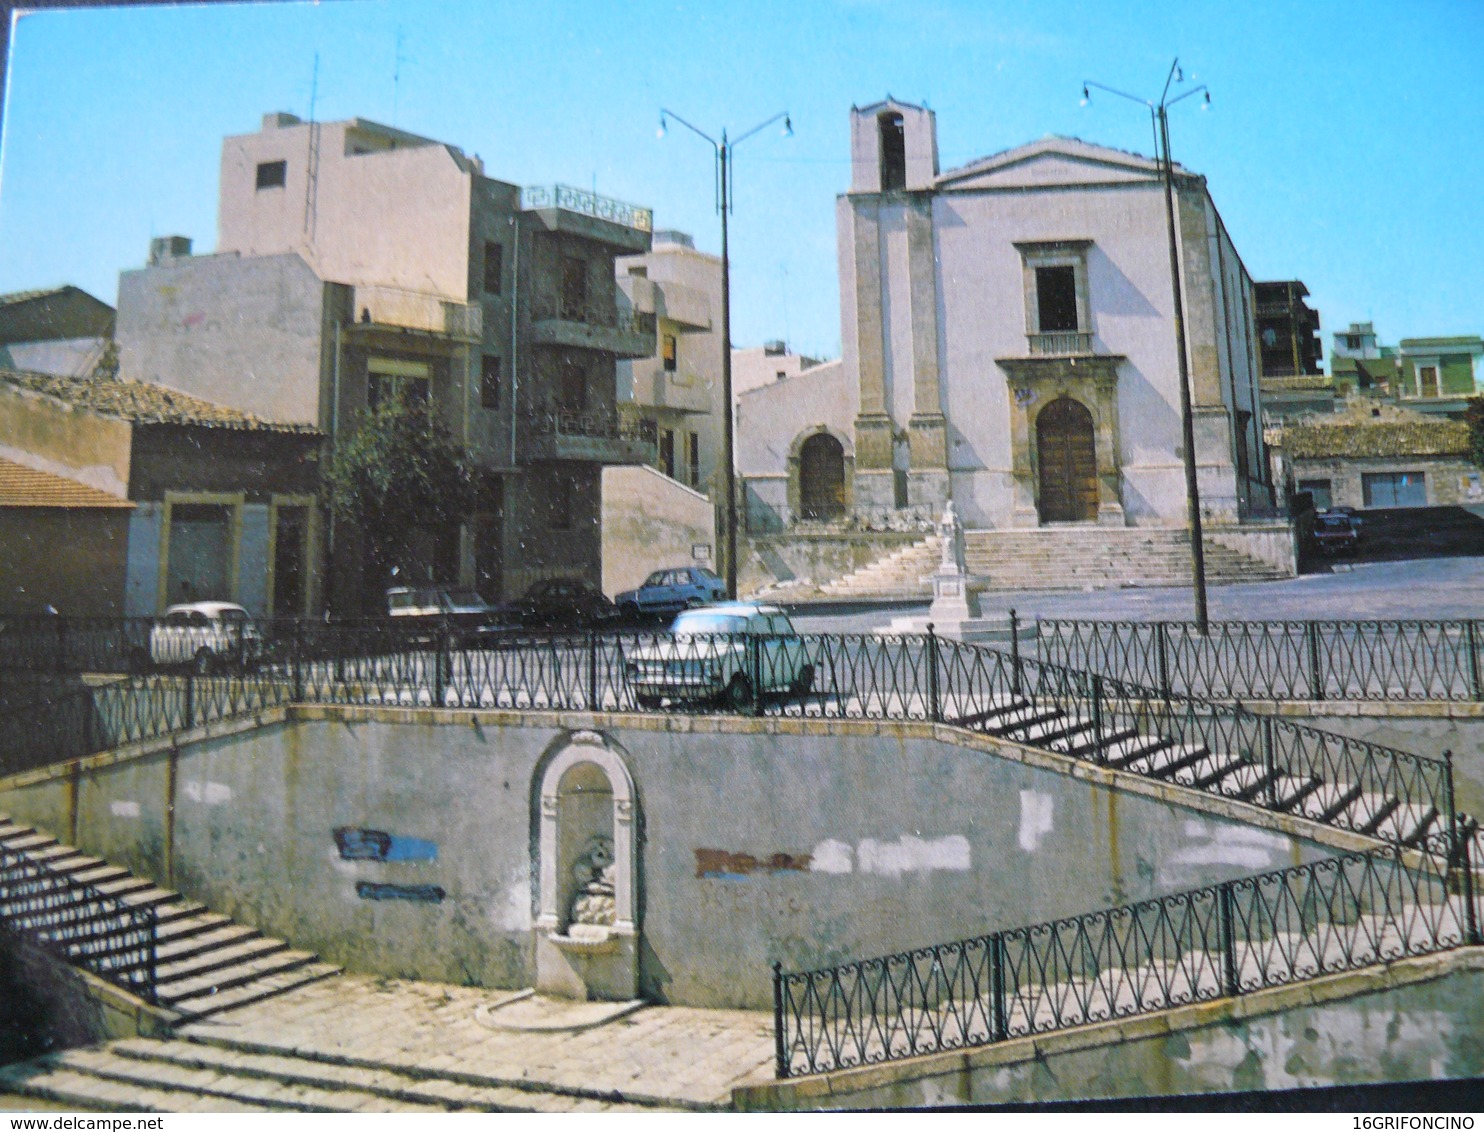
pixel 1342 146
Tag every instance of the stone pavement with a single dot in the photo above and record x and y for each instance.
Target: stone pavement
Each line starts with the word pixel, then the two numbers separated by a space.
pixel 1423 588
pixel 668 1056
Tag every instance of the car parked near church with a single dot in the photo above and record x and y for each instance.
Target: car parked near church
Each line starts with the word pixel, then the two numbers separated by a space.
pixel 669 591
pixel 732 652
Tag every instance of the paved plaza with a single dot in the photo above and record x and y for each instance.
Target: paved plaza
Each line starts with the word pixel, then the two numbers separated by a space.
pixel 1428 588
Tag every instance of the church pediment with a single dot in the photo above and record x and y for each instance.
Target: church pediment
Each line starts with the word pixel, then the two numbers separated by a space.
pixel 1053 161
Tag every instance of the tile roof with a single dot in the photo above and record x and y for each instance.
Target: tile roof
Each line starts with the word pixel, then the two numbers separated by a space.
pixel 142 402
pixel 21 486
pixel 1314 440
pixel 26 296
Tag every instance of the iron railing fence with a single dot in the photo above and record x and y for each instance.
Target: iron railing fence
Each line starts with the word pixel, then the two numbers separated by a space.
pixel 1302 660
pixel 1234 938
pixel 1220 748
pixel 129 710
pixel 79 923
pixel 1216 747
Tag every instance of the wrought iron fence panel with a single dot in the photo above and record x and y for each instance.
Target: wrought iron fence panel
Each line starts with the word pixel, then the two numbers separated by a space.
pixel 1279 927
pixel 78 922
pixel 1312 660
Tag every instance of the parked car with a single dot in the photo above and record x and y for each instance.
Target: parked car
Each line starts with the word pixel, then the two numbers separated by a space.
pixel 1336 532
pixel 206 635
pixel 731 651
pixel 560 603
pixel 666 592
pixel 430 611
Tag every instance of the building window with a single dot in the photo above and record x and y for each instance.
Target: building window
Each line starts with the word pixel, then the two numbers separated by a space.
pixel 693 457
pixel 273 174
pixel 667 452
pixel 667 351
pixel 574 288
pixel 1056 298
pixel 489 383
pixel 1394 489
pixel 893 152
pixel 559 515
pixel 572 392
pixel 386 377
pixel 649 431
pixel 1320 492
pixel 1427 381
pixel 1057 315
pixel 494 267
pixel 1352 341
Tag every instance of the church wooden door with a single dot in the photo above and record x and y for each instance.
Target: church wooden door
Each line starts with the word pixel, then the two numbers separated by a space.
pixel 822 478
pixel 1066 451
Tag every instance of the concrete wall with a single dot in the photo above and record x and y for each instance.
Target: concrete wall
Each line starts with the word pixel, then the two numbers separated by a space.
pixel 396 215
pixel 772 420
pixel 72 559
pixel 809 843
pixel 51 436
pixel 1449 480
pixel 73 357
pixel 245 332
pixel 1416 1020
pixel 649 522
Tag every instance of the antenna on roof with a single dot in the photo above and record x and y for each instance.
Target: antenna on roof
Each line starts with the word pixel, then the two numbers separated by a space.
pixel 397 74
pixel 311 179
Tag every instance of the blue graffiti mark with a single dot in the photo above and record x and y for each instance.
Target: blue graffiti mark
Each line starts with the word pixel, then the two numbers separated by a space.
pixel 419 893
pixel 377 845
pixel 362 844
pixel 412 849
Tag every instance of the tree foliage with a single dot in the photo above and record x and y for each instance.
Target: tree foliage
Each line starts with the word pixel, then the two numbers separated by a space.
pixel 1473 416
pixel 398 473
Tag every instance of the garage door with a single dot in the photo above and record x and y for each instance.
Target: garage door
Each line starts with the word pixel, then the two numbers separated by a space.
pixel 1395 489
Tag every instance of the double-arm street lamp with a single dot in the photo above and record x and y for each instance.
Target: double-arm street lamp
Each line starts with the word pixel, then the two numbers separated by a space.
pixel 1159 120
pixel 723 150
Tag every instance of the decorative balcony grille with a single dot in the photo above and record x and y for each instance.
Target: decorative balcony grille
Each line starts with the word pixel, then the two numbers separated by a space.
pixel 549 307
pixel 594 426
pixel 1061 343
pixel 587 203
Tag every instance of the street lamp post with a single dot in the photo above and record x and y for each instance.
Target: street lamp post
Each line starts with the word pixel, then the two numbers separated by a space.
pixel 723 150
pixel 1159 120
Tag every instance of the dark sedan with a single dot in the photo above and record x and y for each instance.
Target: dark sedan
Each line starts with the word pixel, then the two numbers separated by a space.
pixel 559 603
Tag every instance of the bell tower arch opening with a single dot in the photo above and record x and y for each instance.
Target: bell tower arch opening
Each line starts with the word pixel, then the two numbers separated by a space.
pixel 893 151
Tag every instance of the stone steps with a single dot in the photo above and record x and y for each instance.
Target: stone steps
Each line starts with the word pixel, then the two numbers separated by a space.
pixel 220 1075
pixel 204 963
pixel 1341 804
pixel 899 573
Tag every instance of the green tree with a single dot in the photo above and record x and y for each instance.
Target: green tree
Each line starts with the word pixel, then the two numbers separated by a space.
pixel 1473 416
pixel 399 473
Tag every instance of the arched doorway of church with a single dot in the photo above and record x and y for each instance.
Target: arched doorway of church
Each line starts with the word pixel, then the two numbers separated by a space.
pixel 821 479
pixel 1067 453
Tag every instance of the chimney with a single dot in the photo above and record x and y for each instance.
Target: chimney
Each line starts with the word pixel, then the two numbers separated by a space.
pixel 163 249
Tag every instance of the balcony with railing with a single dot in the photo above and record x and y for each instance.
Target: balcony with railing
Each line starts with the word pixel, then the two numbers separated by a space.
pixel 563 208
pixel 590 436
pixel 1060 344
pixel 586 325
pixel 401 309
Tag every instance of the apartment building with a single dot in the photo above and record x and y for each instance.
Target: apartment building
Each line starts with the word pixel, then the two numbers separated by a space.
pixel 353 258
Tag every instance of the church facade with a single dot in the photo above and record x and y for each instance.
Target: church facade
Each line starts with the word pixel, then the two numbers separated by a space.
pixel 1008 343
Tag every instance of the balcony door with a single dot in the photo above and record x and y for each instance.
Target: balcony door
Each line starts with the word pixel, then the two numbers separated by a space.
pixel 1067 453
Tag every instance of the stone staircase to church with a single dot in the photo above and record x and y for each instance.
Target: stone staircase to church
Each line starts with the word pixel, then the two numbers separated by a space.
pixel 1101 558
pixel 899 574
pixel 221 1074
pixel 204 962
pixel 1054 558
